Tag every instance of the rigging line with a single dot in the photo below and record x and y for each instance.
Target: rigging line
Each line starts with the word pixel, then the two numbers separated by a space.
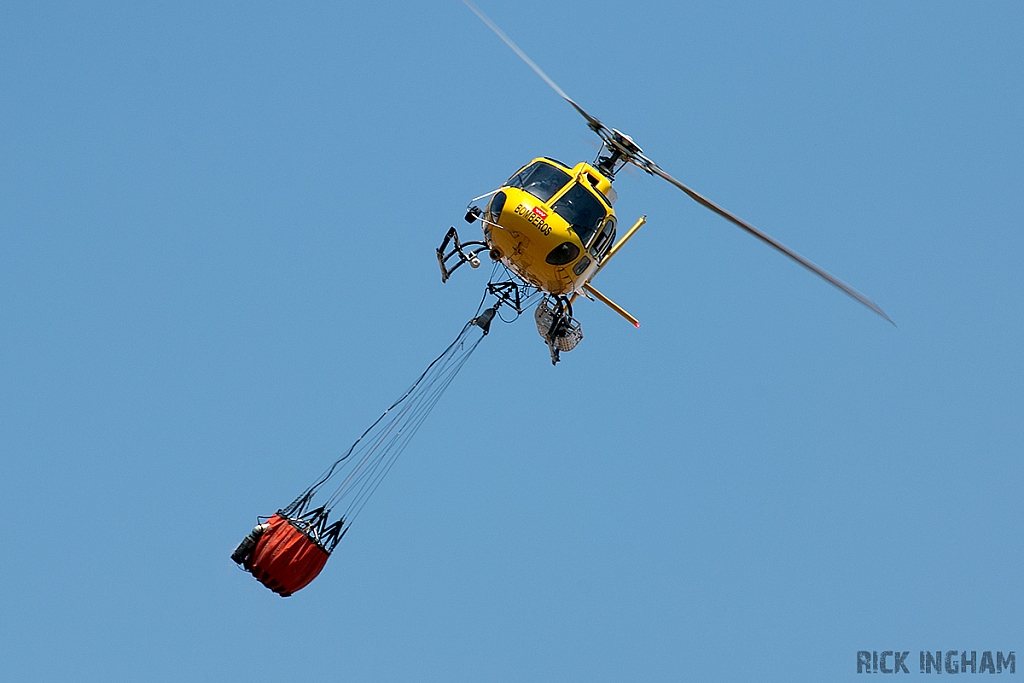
pixel 460 362
pixel 376 446
pixel 383 442
pixel 413 397
pixel 393 441
pixel 379 470
pixel 425 403
pixel 330 471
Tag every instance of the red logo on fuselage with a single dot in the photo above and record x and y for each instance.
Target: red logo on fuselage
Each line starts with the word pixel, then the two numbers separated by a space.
pixel 540 212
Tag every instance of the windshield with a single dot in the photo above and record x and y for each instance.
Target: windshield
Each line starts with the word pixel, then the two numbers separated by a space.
pixel 581 210
pixel 540 179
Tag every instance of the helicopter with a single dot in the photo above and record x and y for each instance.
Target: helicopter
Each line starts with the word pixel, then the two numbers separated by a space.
pixel 553 228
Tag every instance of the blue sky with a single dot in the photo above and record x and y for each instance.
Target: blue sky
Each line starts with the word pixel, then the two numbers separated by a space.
pixel 217 225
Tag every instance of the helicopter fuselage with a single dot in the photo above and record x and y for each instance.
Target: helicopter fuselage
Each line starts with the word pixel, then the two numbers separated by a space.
pixel 552 225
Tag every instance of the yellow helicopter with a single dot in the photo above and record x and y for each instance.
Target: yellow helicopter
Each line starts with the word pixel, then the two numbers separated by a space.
pixel 553 228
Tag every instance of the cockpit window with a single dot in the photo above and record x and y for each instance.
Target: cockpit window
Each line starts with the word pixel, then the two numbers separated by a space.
pixel 581 210
pixel 540 179
pixel 604 241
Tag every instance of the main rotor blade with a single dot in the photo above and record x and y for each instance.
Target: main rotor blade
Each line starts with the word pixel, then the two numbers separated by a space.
pixel 652 167
pixel 630 153
pixel 594 124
